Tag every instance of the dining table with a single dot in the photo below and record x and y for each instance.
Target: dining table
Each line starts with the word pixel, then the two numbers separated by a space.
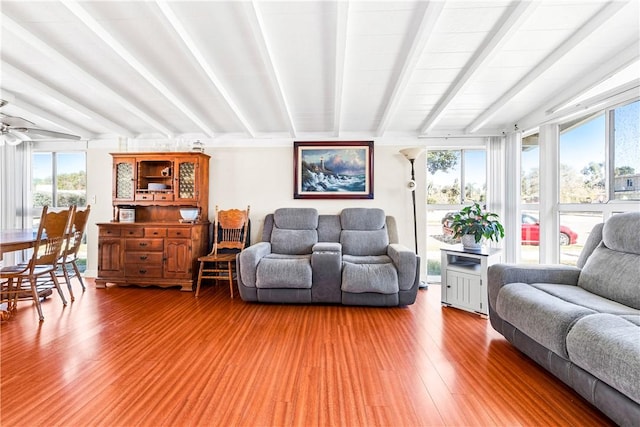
pixel 16 240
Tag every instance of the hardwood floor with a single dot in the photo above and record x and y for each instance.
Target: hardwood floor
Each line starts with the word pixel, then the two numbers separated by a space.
pixel 149 356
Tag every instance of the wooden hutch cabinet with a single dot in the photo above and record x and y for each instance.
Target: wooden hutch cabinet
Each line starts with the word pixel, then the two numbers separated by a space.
pixel 158 247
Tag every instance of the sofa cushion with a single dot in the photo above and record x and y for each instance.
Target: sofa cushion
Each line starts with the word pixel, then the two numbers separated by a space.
pixel 544 317
pixel 377 278
pixel 357 242
pixel 372 259
pixel 608 347
pixel 284 272
pixel 329 228
pixel 613 275
pixel 293 242
pixel 621 232
pixel 580 296
pixel 362 219
pixel 296 218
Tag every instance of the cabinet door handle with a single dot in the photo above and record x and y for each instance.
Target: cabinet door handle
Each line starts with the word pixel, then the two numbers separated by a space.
pixel 142 271
pixel 143 257
pixel 143 244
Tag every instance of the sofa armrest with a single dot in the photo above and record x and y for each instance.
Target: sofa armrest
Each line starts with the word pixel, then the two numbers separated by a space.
pixel 327 247
pixel 326 263
pixel 405 261
pixel 249 259
pixel 502 274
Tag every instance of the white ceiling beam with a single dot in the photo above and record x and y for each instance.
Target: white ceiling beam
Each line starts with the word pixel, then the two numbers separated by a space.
pixel 599 18
pixel 128 57
pixel 195 51
pixel 45 117
pixel 342 23
pixel 256 23
pixel 591 78
pixel 616 62
pixel 501 32
pixel 37 85
pixel 85 76
pixel 421 36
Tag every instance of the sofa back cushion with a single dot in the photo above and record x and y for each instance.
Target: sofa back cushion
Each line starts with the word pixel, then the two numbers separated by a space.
pixel 621 233
pixel 294 231
pixel 296 218
pixel 329 228
pixel 363 232
pixel 613 268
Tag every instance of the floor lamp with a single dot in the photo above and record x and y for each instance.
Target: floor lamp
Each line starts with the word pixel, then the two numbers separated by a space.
pixel 412 154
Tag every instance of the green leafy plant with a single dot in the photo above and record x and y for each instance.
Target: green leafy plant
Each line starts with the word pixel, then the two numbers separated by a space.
pixel 477 222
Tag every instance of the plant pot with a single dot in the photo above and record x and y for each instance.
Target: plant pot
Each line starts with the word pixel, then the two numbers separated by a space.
pixel 469 242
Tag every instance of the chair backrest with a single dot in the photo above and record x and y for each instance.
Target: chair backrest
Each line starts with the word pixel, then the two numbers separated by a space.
pixel 79 225
pixel 295 231
pixel 364 231
pixel 230 229
pixel 53 233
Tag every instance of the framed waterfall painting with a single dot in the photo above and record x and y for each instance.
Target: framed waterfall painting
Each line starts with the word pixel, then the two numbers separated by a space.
pixel 333 170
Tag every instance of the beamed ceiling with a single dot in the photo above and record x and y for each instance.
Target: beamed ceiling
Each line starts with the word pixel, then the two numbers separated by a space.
pixel 312 69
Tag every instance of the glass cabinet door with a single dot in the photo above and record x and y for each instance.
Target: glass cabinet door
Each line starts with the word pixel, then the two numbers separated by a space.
pixel 187 172
pixel 124 179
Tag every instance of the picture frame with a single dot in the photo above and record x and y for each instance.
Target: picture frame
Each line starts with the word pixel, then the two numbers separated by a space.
pixel 333 170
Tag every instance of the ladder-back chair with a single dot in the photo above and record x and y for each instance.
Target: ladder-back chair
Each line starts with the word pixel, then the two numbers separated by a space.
pixel 229 237
pixel 25 281
pixel 68 259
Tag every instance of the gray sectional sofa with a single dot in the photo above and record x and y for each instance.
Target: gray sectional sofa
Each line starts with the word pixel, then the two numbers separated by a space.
pixel 349 258
pixel 581 323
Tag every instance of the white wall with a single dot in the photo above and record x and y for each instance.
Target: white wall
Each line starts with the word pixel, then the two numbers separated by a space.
pixel 262 177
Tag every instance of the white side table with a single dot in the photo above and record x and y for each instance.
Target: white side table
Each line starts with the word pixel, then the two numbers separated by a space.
pixel 464 277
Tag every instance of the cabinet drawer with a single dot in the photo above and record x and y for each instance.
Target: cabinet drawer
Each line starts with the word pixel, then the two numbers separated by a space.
pixel 179 232
pixel 109 232
pixel 152 258
pixel 163 197
pixel 143 244
pixel 144 196
pixel 142 270
pixel 155 232
pixel 132 232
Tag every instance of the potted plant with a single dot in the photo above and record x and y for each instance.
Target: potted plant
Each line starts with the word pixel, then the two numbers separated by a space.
pixel 473 226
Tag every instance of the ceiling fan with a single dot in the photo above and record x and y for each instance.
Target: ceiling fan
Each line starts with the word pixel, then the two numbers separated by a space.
pixel 14 130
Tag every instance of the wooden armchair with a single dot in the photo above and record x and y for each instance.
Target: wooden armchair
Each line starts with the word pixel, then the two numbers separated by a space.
pixel 25 281
pixel 229 237
pixel 67 265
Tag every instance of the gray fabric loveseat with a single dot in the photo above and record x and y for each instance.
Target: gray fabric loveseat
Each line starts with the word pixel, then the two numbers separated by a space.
pixel 350 258
pixel 581 323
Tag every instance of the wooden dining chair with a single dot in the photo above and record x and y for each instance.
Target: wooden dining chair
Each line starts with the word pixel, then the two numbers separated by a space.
pixel 67 264
pixel 25 281
pixel 229 237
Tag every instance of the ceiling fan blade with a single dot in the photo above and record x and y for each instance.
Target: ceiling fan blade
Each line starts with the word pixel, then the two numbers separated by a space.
pixel 15 121
pixel 49 133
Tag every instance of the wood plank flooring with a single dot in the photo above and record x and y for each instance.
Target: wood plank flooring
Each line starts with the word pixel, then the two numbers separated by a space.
pixel 155 357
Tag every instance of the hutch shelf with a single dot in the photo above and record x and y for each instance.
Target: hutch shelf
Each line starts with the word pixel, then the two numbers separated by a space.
pixel 151 245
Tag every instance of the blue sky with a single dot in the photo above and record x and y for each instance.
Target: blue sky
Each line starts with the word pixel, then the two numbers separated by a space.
pixel 67 163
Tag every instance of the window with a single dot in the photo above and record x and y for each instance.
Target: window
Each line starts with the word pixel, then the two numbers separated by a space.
pixel 59 179
pixel 449 172
pixel 626 148
pixel 599 166
pixel 582 161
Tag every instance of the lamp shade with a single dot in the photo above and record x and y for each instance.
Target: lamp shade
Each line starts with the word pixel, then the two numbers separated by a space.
pixel 412 153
